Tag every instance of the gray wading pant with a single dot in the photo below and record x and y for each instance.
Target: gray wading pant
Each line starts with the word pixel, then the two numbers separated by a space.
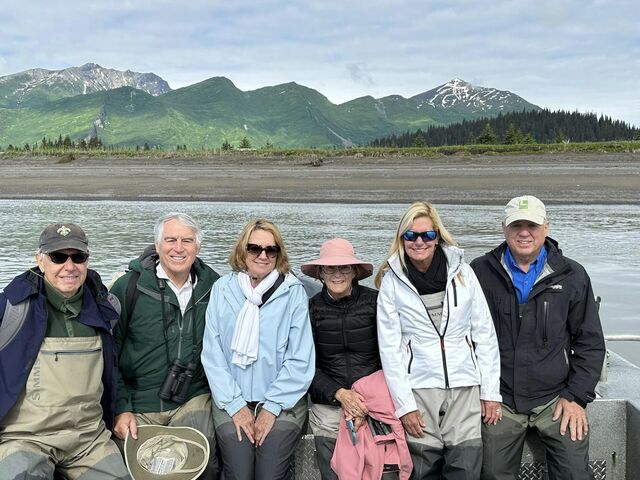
pixel 503 443
pixel 56 425
pixel 196 413
pixel 452 446
pixel 272 460
pixel 325 421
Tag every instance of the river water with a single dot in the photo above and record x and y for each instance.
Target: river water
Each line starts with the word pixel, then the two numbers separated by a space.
pixel 604 238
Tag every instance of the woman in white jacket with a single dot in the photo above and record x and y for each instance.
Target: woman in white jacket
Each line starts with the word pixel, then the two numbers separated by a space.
pixel 438 347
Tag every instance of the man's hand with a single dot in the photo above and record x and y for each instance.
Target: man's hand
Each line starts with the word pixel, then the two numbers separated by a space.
pixel 413 423
pixel 352 402
pixel 263 425
pixel 243 420
pixel 573 416
pixel 126 422
pixel 491 412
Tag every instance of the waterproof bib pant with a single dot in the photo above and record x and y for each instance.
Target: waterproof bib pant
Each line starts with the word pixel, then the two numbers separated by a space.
pixel 56 425
pixel 451 448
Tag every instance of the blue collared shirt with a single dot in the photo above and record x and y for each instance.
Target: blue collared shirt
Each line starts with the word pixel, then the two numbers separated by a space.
pixel 524 281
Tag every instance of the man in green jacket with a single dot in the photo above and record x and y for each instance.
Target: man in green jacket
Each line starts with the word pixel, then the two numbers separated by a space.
pixel 161 380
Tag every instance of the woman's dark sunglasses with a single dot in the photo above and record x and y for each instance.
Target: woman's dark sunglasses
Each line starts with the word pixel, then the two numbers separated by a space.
pixel 60 258
pixel 270 250
pixel 411 236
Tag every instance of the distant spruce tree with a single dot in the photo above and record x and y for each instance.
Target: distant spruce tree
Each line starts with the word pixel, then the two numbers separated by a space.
pixel 245 143
pixel 487 137
pixel 419 141
pixel 513 135
pixel 226 146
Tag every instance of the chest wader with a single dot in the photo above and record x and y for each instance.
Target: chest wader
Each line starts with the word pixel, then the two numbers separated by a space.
pixel 58 419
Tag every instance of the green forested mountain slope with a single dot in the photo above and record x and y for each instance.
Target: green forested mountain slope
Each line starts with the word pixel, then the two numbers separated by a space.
pixel 203 115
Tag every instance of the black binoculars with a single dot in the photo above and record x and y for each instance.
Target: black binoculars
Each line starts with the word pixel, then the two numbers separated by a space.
pixel 177 382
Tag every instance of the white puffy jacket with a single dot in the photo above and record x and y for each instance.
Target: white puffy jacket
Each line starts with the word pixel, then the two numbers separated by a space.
pixel 464 352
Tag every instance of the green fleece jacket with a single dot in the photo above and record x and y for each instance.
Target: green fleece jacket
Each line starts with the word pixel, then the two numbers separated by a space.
pixel 140 338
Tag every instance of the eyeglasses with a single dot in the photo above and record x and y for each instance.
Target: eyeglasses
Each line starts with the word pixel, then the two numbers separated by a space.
pixel 411 236
pixel 331 269
pixel 59 258
pixel 270 250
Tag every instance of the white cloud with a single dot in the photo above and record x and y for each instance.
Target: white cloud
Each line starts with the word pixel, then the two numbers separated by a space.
pixel 574 54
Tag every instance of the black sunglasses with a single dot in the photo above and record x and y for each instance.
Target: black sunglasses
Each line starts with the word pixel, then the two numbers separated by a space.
pixel 60 258
pixel 411 236
pixel 270 250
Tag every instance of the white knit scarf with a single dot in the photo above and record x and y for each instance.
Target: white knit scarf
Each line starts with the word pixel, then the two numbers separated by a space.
pixel 247 330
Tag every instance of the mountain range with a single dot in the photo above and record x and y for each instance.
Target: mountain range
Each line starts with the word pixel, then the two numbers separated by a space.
pixel 125 108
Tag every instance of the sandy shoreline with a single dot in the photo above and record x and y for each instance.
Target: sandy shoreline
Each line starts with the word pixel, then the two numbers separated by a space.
pixel 556 178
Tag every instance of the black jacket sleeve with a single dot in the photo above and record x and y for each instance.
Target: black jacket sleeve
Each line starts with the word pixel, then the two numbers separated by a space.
pixel 587 342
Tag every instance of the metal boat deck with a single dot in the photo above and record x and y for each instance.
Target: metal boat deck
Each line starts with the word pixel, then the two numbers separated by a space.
pixel 614 430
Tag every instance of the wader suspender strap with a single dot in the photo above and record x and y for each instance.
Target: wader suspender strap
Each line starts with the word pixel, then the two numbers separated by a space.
pixel 12 321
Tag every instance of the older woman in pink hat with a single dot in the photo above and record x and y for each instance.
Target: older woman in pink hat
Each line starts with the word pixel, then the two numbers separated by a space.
pixel 343 320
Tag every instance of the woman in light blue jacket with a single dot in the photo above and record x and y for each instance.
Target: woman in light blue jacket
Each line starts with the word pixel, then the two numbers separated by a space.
pixel 259 357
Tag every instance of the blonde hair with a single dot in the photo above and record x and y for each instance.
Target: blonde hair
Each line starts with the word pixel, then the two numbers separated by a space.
pixel 416 210
pixel 238 256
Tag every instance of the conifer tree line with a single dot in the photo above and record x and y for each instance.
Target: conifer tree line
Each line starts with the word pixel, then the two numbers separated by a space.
pixel 65 143
pixel 540 126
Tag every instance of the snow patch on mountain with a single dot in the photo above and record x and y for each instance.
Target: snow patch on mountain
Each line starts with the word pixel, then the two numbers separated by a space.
pixel 88 78
pixel 458 94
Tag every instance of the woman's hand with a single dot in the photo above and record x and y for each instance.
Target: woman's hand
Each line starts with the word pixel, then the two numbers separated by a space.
pixel 491 412
pixel 413 423
pixel 264 424
pixel 352 403
pixel 243 420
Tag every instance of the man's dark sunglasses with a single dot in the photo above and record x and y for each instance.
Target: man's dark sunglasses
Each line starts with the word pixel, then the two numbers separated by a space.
pixel 60 258
pixel 411 236
pixel 270 250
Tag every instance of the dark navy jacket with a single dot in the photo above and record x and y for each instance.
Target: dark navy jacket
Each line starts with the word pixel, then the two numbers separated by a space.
pixel 17 356
pixel 553 343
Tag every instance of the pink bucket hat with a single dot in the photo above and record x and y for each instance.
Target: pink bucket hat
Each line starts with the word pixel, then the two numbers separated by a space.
pixel 337 251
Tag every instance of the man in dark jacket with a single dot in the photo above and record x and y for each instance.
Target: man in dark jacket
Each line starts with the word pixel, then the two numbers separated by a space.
pixel 159 340
pixel 58 366
pixel 551 346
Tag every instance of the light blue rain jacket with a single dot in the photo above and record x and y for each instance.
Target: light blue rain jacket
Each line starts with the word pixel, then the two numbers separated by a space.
pixel 286 357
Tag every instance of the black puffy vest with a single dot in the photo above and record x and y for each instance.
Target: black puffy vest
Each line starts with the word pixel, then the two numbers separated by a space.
pixel 346 341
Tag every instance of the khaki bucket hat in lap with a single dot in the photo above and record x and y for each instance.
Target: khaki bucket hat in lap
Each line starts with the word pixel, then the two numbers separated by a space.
pixel 166 453
pixel 335 252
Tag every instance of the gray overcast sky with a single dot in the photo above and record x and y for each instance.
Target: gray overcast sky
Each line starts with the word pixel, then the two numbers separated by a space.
pixel 562 54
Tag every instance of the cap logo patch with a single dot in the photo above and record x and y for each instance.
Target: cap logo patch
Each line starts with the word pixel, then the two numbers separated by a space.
pixel 64 231
pixel 523 204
